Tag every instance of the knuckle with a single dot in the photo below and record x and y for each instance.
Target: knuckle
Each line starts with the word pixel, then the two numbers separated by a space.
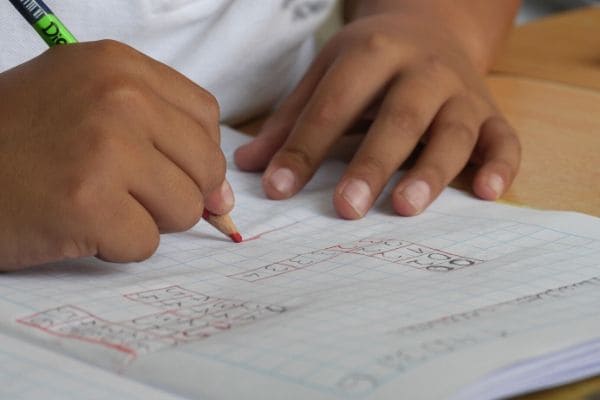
pixel 458 130
pixel 215 133
pixel 192 215
pixel 119 93
pixel 282 119
pixel 299 156
pixel 434 67
pixel 94 161
pixel 211 104
pixel 373 166
pixel 147 245
pixel 501 127
pixel 379 43
pixel 111 48
pixel 436 174
pixel 433 64
pixel 72 248
pixel 478 102
pixel 326 113
pixel 81 195
pixel 402 119
pixel 103 146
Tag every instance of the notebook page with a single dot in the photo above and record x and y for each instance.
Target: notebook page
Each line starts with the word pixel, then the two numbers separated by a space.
pixel 31 372
pixel 311 306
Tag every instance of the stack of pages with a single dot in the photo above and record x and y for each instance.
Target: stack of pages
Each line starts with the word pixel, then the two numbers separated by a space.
pixel 550 370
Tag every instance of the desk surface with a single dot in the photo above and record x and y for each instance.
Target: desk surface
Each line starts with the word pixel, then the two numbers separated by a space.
pixel 559 128
pixel 564 48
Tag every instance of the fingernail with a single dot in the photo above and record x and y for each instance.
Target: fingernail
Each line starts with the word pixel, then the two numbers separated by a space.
pixel 227 195
pixel 417 194
pixel 496 183
pixel 358 194
pixel 221 200
pixel 283 180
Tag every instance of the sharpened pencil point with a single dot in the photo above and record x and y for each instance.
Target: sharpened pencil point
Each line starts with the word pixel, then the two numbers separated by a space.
pixel 224 224
pixel 236 237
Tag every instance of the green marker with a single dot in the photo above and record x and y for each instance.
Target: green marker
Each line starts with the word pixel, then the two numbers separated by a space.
pixel 44 21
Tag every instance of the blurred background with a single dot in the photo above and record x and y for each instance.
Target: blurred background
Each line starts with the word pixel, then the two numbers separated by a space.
pixel 533 9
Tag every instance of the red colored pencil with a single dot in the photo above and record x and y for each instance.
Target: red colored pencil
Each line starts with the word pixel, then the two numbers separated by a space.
pixel 224 224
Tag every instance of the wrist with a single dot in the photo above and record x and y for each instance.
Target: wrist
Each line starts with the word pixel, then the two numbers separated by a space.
pixel 477 29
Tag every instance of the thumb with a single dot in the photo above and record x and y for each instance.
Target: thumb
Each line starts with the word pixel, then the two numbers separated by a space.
pixel 221 200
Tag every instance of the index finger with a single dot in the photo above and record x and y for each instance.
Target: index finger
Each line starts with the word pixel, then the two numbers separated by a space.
pixel 343 93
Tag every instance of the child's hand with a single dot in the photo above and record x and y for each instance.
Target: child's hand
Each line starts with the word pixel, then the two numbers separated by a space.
pixel 102 148
pixel 424 86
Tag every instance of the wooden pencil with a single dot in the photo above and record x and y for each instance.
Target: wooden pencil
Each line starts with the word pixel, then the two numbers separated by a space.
pixel 224 224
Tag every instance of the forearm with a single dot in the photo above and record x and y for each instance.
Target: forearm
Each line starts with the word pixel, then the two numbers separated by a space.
pixel 480 25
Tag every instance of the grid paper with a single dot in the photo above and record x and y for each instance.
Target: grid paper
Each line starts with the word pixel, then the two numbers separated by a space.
pixel 28 372
pixel 316 306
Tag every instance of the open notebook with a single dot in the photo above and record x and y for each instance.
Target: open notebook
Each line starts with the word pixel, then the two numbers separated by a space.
pixel 469 300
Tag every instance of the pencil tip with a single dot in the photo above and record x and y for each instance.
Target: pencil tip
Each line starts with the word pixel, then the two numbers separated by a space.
pixel 236 237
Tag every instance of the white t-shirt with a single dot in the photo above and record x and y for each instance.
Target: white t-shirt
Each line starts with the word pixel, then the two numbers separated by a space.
pixel 247 53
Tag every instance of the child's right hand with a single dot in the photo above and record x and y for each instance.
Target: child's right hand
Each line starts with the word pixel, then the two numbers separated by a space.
pixel 102 148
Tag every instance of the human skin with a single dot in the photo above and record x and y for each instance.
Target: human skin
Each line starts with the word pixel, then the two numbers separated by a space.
pixel 418 67
pixel 102 149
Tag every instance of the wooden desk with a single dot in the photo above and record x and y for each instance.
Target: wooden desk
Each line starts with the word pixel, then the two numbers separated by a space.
pixel 564 48
pixel 559 128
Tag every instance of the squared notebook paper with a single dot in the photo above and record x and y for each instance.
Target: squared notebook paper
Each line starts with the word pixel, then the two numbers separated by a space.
pixel 470 300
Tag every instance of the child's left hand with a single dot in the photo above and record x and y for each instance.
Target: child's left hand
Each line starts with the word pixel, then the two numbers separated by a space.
pixel 424 86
